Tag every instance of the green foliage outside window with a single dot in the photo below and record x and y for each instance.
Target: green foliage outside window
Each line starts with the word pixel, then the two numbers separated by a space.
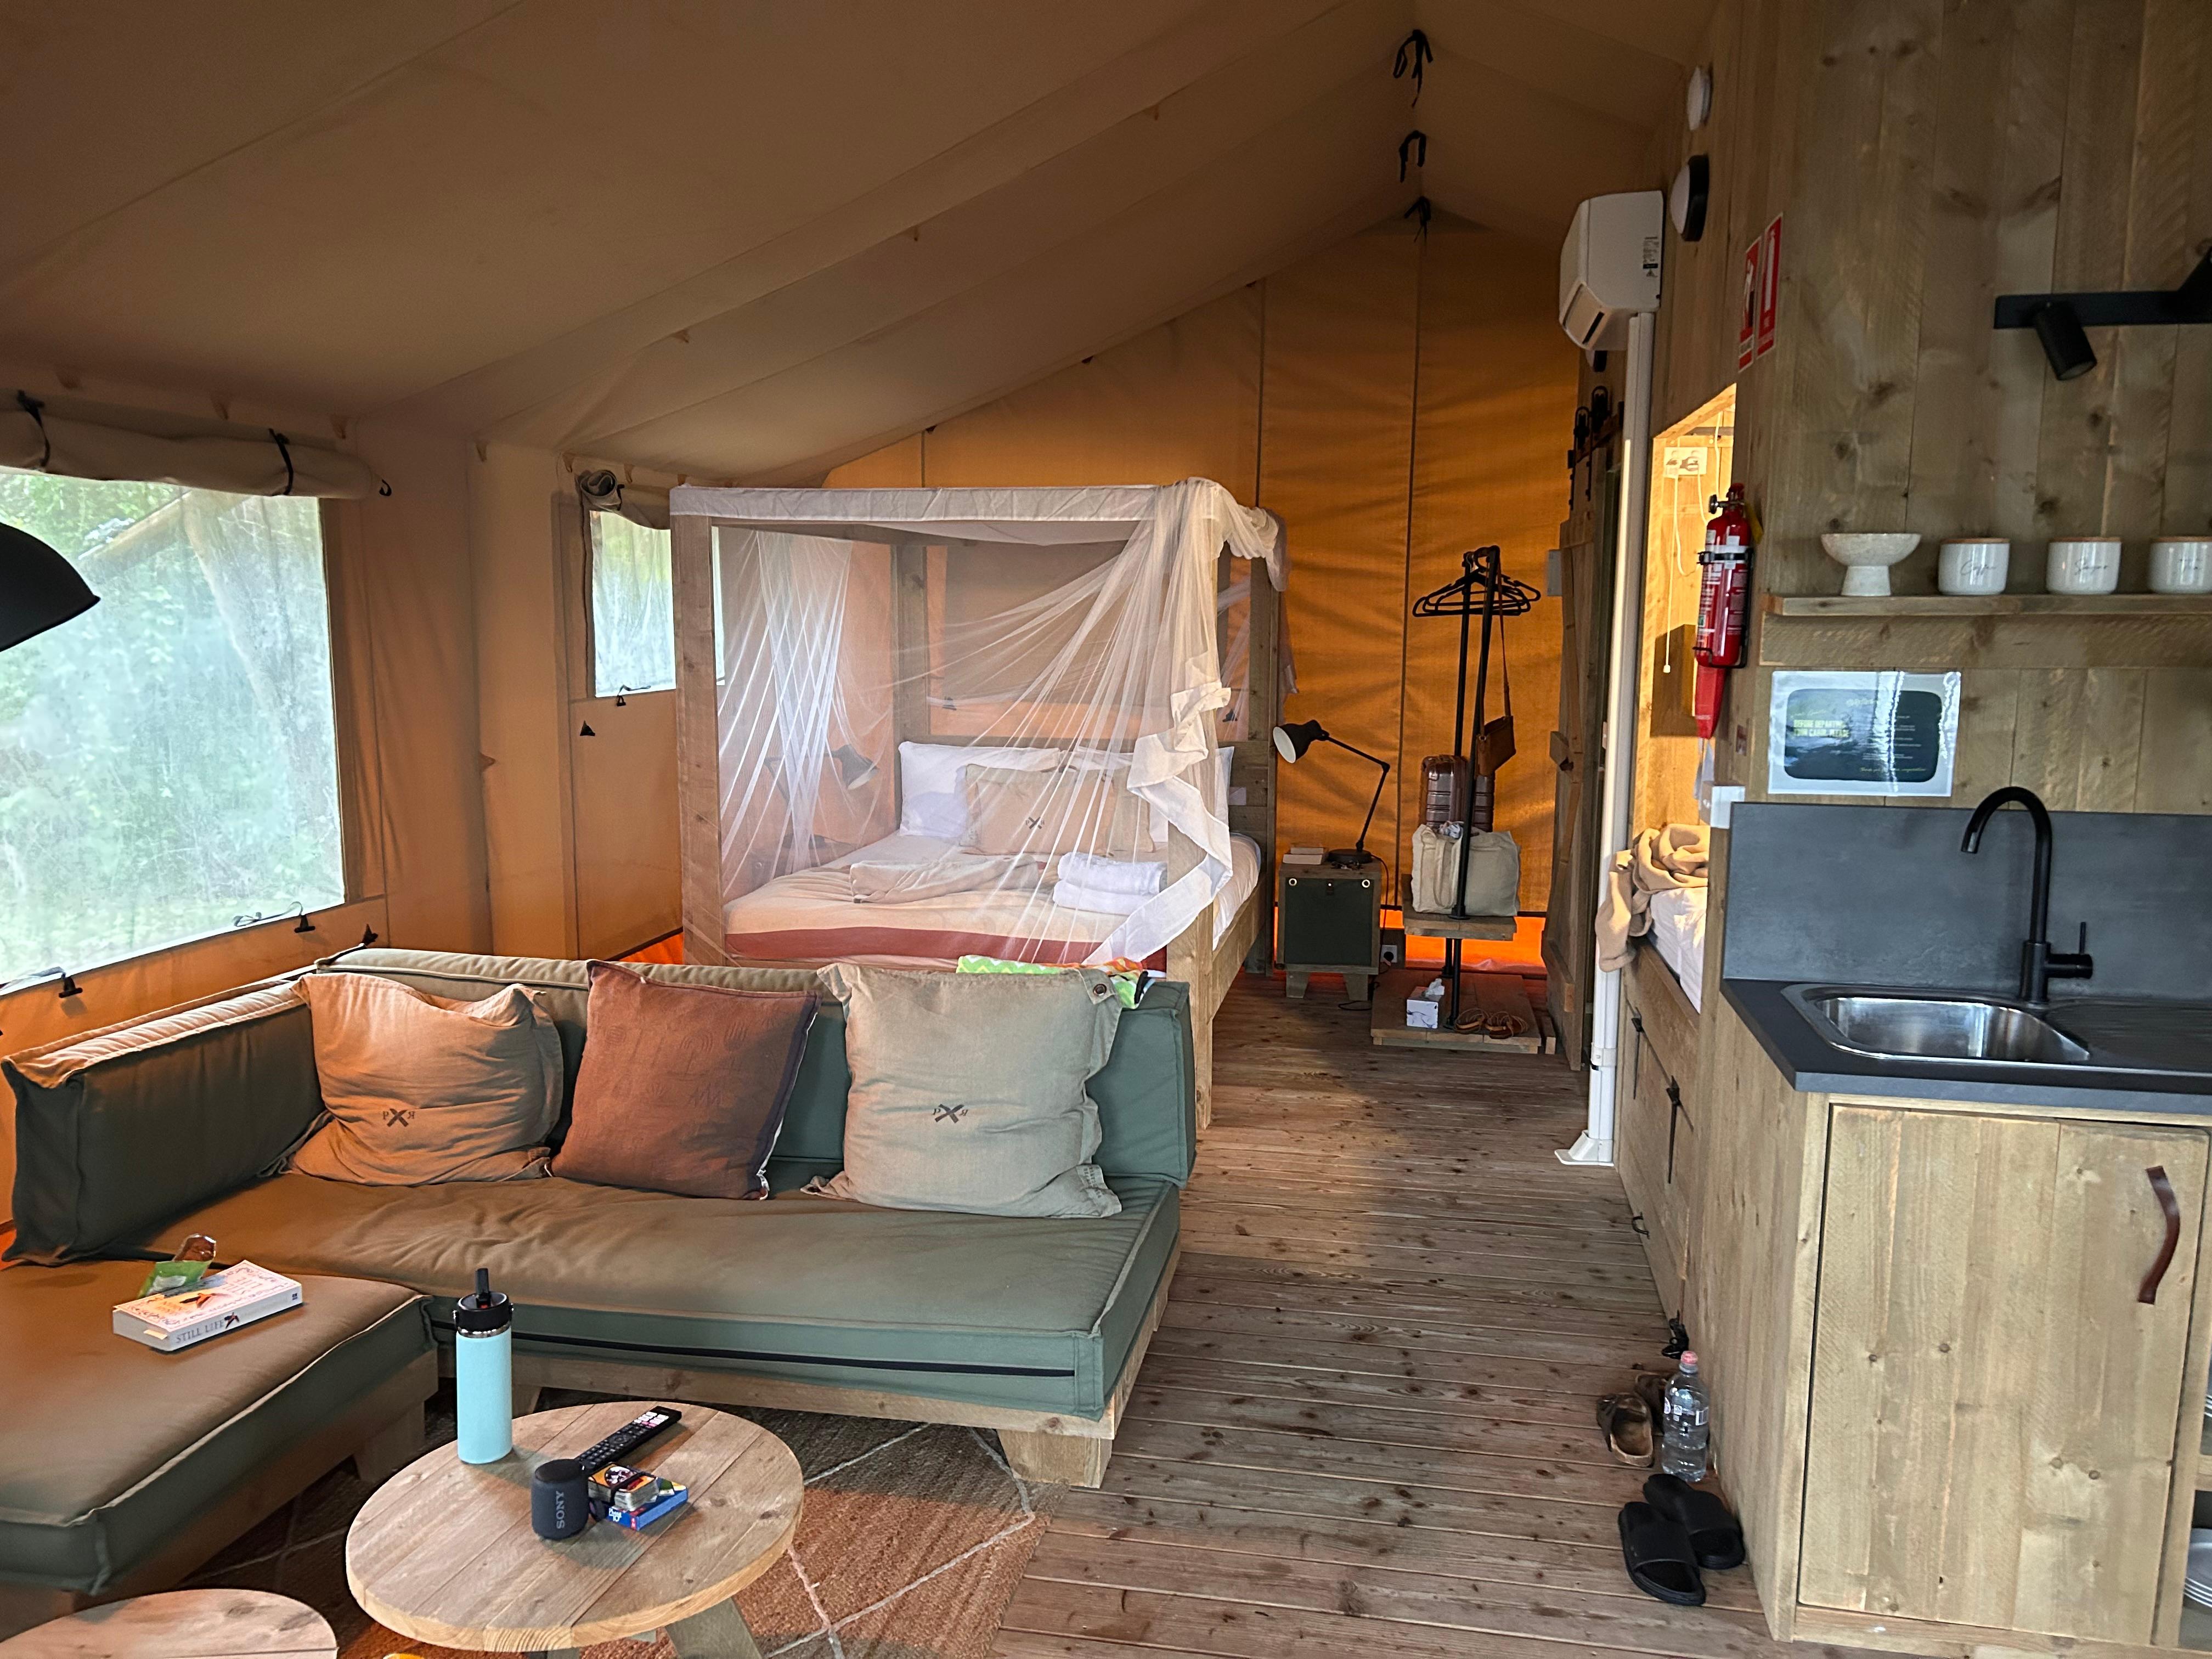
pixel 168 760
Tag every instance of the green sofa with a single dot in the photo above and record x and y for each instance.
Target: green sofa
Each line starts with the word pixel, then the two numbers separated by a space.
pixel 1033 1327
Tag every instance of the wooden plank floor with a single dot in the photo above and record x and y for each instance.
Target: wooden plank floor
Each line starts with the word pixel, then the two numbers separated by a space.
pixel 1367 1424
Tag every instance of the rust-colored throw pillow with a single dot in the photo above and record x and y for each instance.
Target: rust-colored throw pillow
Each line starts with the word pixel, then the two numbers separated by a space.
pixel 682 1087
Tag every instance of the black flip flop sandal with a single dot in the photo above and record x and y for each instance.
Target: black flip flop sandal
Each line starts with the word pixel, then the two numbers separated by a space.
pixel 1715 1534
pixel 1658 1556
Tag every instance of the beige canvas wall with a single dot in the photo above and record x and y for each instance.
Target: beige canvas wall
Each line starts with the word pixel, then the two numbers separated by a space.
pixel 1397 401
pixel 580 831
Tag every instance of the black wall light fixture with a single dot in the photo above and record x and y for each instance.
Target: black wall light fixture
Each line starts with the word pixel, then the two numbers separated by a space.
pixel 2058 319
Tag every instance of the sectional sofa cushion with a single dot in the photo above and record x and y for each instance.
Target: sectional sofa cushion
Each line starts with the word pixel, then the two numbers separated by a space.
pixel 422 1087
pixel 1034 1313
pixel 118 1128
pixel 970 1091
pixel 682 1087
pixel 166 1437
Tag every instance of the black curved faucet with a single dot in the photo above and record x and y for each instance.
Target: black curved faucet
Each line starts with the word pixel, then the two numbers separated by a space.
pixel 2038 964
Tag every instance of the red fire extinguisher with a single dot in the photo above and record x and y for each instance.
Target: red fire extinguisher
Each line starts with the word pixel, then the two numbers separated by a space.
pixel 1724 599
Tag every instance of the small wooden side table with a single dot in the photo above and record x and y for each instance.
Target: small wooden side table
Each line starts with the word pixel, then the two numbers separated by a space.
pixel 208 1624
pixel 444 1553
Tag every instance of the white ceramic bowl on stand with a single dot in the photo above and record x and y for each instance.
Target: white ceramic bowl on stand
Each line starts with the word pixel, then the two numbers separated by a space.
pixel 1866 557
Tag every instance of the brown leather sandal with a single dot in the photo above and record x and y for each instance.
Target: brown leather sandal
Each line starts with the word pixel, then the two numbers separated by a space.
pixel 1627 1421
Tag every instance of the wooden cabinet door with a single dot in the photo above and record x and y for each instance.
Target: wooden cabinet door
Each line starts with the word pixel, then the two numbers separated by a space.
pixel 1646 1131
pixel 1995 1406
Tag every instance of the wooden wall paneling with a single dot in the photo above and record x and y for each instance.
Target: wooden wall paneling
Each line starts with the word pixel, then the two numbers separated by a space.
pixel 698 743
pixel 2174 772
pixel 1857 251
pixel 2079 444
pixel 1992 224
pixel 1988 713
pixel 2188 508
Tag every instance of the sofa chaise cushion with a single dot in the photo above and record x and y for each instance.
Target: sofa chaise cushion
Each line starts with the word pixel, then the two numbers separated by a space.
pixel 1032 1314
pixel 116 1447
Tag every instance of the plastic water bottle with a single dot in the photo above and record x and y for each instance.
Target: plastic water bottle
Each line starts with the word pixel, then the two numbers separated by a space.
pixel 1682 1448
pixel 483 1373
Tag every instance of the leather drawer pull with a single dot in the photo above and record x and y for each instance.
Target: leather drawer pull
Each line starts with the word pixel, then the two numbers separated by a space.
pixel 2164 1188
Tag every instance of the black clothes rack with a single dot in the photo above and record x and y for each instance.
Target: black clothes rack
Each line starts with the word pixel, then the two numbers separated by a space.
pixel 1482 588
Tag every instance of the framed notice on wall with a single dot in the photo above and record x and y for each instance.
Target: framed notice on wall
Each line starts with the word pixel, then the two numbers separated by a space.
pixel 1871 732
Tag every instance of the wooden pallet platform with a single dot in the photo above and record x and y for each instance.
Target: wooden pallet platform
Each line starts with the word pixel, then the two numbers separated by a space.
pixel 1492 993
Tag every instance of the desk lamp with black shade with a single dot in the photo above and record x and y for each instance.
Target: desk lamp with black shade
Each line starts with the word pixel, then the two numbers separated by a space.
pixel 1291 743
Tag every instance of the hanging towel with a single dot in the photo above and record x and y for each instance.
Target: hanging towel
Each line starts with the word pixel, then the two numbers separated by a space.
pixel 1657 860
pixel 1072 895
pixel 1107 875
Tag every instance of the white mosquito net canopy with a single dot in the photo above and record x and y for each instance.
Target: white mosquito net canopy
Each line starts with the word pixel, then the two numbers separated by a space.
pixel 988 721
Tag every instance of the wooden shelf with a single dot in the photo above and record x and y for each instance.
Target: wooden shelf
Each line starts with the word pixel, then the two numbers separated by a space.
pixel 1933 632
pixel 1387 1027
pixel 2060 606
pixel 1428 924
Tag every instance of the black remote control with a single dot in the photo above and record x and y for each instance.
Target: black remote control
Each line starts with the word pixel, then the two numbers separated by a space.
pixel 617 1447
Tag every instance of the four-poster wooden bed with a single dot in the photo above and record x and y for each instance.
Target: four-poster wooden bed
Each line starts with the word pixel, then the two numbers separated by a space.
pixel 858 671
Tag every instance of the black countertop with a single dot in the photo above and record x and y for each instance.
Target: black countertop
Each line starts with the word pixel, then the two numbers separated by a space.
pixel 1814 1066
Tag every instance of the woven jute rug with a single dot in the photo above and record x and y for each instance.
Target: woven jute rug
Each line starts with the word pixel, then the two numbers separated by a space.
pixel 911 1542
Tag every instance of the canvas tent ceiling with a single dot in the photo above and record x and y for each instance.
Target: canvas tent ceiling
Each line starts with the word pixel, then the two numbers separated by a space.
pixel 745 242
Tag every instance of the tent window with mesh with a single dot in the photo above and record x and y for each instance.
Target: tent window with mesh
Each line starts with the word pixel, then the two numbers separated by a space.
pixel 168 763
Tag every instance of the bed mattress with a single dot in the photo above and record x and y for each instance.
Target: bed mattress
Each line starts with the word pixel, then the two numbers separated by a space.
pixel 810 916
pixel 1677 933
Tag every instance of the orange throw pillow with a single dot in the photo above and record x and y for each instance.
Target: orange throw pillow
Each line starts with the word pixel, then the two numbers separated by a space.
pixel 682 1088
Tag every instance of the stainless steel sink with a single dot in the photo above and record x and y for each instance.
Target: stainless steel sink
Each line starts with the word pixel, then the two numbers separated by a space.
pixel 1902 1026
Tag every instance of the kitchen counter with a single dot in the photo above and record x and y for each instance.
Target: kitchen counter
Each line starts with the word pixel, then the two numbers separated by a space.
pixel 1812 1065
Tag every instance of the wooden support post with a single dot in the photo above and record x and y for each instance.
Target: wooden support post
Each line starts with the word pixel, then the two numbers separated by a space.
pixel 698 741
pixel 1064 1460
pixel 910 721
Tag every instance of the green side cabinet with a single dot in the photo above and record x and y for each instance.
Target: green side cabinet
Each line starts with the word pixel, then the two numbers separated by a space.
pixel 1330 921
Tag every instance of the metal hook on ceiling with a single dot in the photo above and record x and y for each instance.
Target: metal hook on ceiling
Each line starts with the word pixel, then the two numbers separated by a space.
pixel 1413 57
pixel 1417 142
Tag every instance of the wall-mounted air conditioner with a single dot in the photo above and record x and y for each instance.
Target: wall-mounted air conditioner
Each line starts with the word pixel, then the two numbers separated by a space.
pixel 1609 266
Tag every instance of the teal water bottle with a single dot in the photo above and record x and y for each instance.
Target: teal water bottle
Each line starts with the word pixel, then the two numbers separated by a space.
pixel 484 1372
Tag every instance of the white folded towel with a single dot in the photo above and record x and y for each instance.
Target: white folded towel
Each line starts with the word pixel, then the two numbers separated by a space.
pixel 1072 895
pixel 1104 875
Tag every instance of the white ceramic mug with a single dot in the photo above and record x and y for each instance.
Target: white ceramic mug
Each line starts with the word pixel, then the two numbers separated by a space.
pixel 2181 567
pixel 1972 567
pixel 2091 566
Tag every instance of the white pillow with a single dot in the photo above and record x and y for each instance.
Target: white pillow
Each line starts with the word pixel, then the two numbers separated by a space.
pixel 421 1088
pixel 930 799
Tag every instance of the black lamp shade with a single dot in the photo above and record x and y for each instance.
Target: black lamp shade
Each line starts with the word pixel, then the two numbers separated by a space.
pixel 38 588
pixel 2068 348
pixel 1293 740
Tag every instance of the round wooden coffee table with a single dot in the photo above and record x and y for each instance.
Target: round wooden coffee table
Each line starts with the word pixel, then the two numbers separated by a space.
pixel 209 1624
pixel 444 1553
